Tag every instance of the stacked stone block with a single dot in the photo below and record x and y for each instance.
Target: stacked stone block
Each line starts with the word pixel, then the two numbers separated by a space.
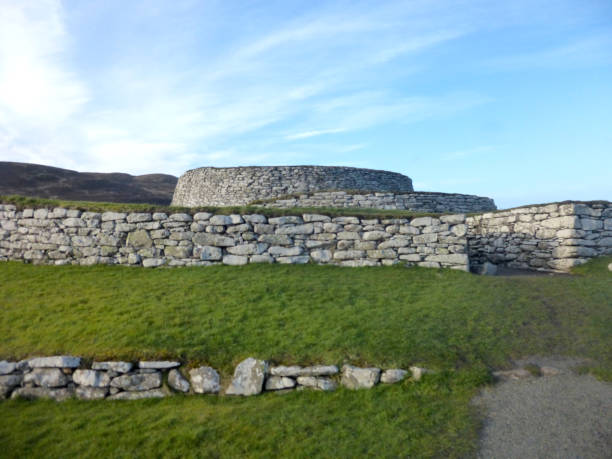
pixel 552 237
pixel 63 377
pixel 417 201
pixel 232 186
pixel 62 236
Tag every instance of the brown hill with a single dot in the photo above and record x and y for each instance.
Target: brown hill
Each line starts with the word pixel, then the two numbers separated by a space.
pixel 52 182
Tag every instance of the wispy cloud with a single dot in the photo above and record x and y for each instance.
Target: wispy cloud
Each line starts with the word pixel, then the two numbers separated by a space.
pixel 590 50
pixel 315 133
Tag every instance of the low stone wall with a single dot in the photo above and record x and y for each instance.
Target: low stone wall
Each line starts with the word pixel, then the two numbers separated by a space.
pixel 63 377
pixel 552 237
pixel 235 186
pixel 416 201
pixel 63 236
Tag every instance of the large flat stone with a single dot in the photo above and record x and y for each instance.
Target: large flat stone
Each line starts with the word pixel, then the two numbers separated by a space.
pixel 57 361
pixel 158 364
pixel 92 378
pixel 154 393
pixel 46 377
pixel 359 378
pixel 248 378
pixel 118 366
pixel 7 367
pixel 137 381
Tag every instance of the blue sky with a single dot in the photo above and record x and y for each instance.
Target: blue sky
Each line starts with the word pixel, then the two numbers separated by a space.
pixel 511 100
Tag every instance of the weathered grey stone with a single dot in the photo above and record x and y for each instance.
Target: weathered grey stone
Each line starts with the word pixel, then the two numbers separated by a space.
pixel 277 251
pixel 137 381
pixel 91 393
pixel 319 370
pixel 10 381
pixel 235 260
pixel 178 252
pixel 57 361
pixel 92 378
pixel 307 228
pixel 375 235
pixel 247 249
pixel 573 252
pixel 181 217
pixel 118 366
pixel 321 256
pixel 46 377
pixel 418 372
pixel 297 260
pixel 153 262
pixel 153 393
pixel 209 253
pixel 216 240
pixel 348 254
pixel 392 376
pixel 32 393
pixel 279 383
pixel 261 259
pixel 205 380
pixel 7 367
pixel 107 216
pixel 139 217
pixel 293 371
pixel 309 218
pixel 285 220
pixel 248 377
pixel 324 384
pixel 220 220
pixel 158 364
pixel 177 381
pixel 139 239
pixel 359 378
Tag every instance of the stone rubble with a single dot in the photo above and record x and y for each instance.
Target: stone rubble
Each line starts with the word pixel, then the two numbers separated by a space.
pixel 117 380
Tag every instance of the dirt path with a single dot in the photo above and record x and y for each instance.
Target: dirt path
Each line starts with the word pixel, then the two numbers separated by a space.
pixel 559 414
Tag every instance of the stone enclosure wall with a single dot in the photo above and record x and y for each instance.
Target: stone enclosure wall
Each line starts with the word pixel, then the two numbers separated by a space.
pixel 62 236
pixel 551 237
pixel 417 201
pixel 62 377
pixel 234 186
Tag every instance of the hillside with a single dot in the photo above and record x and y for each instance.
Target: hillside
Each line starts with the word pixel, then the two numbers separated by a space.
pixel 56 183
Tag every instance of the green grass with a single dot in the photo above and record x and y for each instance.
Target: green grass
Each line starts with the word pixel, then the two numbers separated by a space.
pixel 26 202
pixel 460 324
pixel 429 419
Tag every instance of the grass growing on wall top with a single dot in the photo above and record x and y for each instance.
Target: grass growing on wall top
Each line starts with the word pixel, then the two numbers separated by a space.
pixel 26 202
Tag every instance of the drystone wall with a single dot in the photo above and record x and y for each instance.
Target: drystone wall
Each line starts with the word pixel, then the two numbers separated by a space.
pixel 416 201
pixel 232 186
pixel 63 377
pixel 63 236
pixel 551 237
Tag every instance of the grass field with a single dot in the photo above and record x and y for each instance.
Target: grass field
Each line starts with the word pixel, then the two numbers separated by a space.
pixel 460 324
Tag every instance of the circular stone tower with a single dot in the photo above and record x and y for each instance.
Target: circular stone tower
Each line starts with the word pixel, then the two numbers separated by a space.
pixel 233 186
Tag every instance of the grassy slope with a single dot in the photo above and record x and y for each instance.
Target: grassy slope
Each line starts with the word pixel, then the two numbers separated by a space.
pixel 293 314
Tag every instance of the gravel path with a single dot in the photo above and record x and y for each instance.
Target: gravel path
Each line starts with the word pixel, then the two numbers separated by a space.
pixel 564 415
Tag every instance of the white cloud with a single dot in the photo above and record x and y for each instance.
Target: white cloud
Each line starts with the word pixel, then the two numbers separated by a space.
pixel 315 133
pixel 35 86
